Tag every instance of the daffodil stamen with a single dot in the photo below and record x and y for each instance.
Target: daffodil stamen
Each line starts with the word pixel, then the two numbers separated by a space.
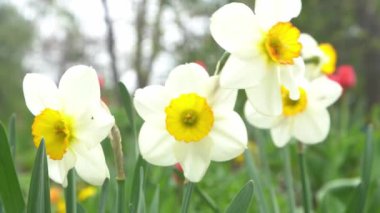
pixel 57 130
pixel 281 43
pixel 292 107
pixel 189 118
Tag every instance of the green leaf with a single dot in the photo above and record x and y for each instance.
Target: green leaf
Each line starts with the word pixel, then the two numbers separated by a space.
pixel 120 196
pixel 186 197
pixel 242 200
pixel 12 134
pixel 155 205
pixel 128 105
pixel 253 173
pixel 39 190
pixel 70 193
pixel 135 191
pixel 141 204
pixel 103 196
pixel 207 199
pixel 10 191
pixel 358 202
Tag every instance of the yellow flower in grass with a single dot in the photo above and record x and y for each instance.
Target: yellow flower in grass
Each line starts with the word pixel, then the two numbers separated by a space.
pixel 306 119
pixel 320 59
pixel 265 51
pixel 190 120
pixel 72 121
pixel 86 193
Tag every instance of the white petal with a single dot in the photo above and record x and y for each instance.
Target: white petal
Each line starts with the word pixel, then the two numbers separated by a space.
pixel 229 136
pixel 310 46
pixel 58 169
pixel 235 28
pixel 325 91
pixel 94 125
pixel 272 11
pixel 79 89
pixel 187 78
pixel 194 158
pixel 150 103
pixel 91 165
pixel 241 73
pixel 257 119
pixel 220 98
pixel 40 92
pixel 156 145
pixel 281 133
pixel 311 126
pixel 291 77
pixel 266 97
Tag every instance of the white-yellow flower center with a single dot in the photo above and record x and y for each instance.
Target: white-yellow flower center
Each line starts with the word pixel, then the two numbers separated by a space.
pixel 189 118
pixel 291 107
pixel 281 43
pixel 57 130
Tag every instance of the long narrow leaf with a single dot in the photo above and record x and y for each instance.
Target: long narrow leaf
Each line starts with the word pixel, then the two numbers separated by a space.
pixel 155 205
pixel 12 134
pixel 252 171
pixel 103 196
pixel 141 204
pixel 70 192
pixel 128 105
pixel 358 202
pixel 39 190
pixel 242 200
pixel 135 191
pixel 186 197
pixel 10 191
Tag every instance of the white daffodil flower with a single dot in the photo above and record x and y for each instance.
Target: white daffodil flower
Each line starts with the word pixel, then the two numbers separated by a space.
pixel 265 51
pixel 72 121
pixel 306 119
pixel 320 59
pixel 190 120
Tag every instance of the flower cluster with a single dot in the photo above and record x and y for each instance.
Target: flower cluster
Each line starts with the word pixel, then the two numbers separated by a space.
pixel 190 121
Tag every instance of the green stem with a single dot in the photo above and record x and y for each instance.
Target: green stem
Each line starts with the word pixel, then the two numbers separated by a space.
pixel 304 180
pixel 186 197
pixel 289 180
pixel 207 198
pixel 221 62
pixel 121 196
pixel 70 193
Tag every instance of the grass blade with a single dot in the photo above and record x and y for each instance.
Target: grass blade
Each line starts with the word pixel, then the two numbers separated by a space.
pixel 10 192
pixel 242 200
pixel 186 197
pixel 39 190
pixel 70 193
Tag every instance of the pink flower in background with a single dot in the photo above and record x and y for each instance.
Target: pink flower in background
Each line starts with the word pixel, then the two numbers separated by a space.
pixel 202 63
pixel 102 80
pixel 345 76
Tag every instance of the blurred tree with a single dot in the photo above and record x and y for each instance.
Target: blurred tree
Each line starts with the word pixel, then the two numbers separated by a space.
pixel 16 35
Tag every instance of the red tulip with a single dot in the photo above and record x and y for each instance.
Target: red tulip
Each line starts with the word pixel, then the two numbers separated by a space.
pixel 345 76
